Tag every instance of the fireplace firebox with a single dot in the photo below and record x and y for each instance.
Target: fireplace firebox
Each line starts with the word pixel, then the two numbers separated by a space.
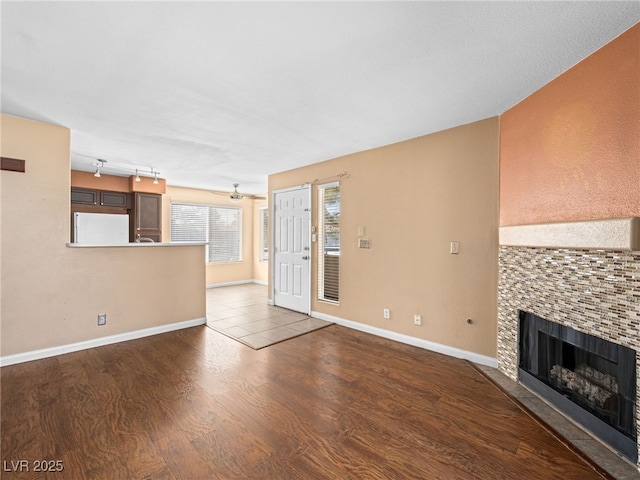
pixel 589 379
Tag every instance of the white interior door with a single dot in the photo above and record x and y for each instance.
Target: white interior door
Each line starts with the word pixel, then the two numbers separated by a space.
pixel 292 249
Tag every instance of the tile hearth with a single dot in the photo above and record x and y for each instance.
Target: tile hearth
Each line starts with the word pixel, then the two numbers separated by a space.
pixel 602 456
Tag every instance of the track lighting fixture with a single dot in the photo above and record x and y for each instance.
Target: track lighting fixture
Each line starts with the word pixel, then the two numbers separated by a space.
pixel 99 167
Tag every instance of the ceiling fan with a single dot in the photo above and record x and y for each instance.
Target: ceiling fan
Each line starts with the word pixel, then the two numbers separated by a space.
pixel 236 196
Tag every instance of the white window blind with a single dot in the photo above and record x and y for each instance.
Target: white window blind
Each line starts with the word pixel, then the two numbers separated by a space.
pixel 264 234
pixel 329 242
pixel 219 227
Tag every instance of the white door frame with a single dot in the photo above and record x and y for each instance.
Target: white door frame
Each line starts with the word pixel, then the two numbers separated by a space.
pixel 306 186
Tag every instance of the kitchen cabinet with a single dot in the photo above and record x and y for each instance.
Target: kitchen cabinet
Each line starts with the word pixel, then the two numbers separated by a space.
pixel 146 217
pixel 83 196
pixel 115 199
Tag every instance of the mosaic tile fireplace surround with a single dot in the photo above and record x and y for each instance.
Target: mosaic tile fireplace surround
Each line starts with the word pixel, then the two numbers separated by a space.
pixel 590 290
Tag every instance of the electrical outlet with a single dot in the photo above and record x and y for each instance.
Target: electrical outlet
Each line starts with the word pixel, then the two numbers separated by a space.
pixel 454 249
pixel 102 319
pixel 386 314
pixel 417 319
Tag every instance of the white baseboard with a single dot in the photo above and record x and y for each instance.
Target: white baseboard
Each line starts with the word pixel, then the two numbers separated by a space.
pixel 270 301
pixel 236 282
pixel 409 340
pixel 97 342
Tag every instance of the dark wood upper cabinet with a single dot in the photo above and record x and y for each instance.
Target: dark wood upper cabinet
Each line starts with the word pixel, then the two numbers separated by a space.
pixel 84 197
pixel 115 199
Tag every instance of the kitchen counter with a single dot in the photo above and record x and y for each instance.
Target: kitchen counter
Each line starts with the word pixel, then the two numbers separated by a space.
pixel 136 244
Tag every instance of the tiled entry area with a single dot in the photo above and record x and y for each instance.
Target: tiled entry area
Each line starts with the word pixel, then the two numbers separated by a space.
pixel 241 312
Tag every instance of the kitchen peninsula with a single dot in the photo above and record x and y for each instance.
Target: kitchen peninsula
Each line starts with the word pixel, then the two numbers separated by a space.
pixel 60 292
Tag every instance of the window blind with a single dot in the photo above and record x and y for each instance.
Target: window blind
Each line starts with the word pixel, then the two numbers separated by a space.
pixel 219 227
pixel 264 236
pixel 329 242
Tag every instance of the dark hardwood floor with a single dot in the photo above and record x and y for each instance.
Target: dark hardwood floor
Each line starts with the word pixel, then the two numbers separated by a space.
pixel 332 404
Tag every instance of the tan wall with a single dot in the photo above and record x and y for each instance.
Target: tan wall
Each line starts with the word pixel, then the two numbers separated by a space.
pixel 220 272
pixel 414 198
pixel 51 294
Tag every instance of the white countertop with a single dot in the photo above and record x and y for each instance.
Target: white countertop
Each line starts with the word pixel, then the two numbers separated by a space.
pixel 137 244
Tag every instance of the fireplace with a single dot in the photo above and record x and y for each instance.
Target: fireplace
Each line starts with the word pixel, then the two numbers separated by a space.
pixel 589 379
pixel 593 291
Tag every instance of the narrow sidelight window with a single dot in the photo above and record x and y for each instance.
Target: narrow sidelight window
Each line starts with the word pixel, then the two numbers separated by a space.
pixel 264 234
pixel 329 242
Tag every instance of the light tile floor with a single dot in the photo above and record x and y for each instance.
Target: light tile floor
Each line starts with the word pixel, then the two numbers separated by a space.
pixel 242 312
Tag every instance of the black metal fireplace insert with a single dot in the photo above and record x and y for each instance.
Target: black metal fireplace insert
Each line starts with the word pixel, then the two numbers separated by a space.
pixel 589 379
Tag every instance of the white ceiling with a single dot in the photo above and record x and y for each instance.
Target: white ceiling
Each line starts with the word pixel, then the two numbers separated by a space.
pixel 212 93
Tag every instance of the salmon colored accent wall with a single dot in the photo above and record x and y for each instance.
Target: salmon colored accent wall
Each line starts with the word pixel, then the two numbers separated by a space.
pixel 111 183
pixel 571 151
pixel 114 183
pixel 146 185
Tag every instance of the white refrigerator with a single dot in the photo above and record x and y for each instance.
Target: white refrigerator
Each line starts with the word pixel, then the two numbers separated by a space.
pixel 100 228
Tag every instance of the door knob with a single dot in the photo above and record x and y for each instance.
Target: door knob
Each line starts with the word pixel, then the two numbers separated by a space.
pixel 306 257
